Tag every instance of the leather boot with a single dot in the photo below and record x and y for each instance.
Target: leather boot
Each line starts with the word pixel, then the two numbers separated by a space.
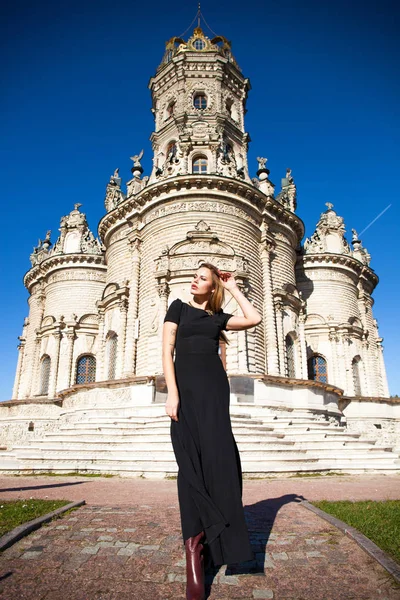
pixel 195 567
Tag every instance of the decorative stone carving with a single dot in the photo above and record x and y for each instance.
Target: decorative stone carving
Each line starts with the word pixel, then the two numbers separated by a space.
pixel 288 195
pixel 41 251
pixel 328 236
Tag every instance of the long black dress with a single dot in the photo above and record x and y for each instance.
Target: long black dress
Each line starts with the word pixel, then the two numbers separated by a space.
pixel 210 474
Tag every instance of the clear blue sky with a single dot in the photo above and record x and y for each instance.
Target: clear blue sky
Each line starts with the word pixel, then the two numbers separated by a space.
pixel 324 101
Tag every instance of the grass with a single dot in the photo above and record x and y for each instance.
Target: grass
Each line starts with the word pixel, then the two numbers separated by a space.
pixel 16 512
pixel 379 521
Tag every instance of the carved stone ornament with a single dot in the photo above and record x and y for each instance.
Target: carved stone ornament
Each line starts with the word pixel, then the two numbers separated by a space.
pixel 201 245
pixel 75 238
pixel 328 236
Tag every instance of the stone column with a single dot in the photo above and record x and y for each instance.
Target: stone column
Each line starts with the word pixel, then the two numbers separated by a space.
pixel 384 388
pixel 133 309
pixel 54 365
pixel 348 370
pixel 20 363
pixel 303 344
pixel 366 388
pixel 37 306
pixel 163 292
pixel 242 349
pixel 280 337
pixel 270 337
pixel 35 373
pixel 70 356
pixel 123 309
pixel 335 368
pixel 100 375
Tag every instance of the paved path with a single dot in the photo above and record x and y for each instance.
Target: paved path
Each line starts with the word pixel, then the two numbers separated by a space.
pixel 126 543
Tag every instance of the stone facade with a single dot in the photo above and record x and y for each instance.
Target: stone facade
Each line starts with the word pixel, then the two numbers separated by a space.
pixel 96 306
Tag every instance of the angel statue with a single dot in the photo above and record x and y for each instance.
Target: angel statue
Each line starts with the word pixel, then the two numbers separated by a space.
pixel 261 162
pixel 137 158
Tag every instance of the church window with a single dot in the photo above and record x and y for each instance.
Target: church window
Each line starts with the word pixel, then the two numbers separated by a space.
pixel 317 368
pixel 200 164
pixel 199 44
pixel 86 369
pixel 290 365
pixel 229 105
pixel 112 343
pixel 171 151
pixel 200 101
pixel 171 108
pixel 355 367
pixel 44 375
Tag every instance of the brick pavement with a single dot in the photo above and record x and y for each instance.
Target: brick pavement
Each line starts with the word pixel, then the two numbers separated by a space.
pixel 126 543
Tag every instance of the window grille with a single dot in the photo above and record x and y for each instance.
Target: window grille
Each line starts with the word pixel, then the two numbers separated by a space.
pixel 290 365
pixel 86 369
pixel 317 369
pixel 199 44
pixel 112 343
pixel 45 375
pixel 200 165
pixel 200 101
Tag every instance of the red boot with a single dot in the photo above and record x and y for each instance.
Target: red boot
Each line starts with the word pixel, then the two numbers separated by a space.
pixel 195 568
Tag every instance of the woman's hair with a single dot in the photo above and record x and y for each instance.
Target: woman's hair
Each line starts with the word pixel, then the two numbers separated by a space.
pixel 217 296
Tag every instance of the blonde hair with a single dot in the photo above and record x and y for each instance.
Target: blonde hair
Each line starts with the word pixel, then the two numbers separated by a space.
pixel 217 298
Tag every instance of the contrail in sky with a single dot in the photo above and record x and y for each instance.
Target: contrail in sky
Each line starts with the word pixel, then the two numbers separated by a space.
pixel 376 218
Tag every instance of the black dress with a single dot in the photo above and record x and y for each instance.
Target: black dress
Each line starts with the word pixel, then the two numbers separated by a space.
pixel 210 474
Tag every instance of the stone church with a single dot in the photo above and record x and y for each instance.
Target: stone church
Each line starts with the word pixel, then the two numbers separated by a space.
pixel 97 304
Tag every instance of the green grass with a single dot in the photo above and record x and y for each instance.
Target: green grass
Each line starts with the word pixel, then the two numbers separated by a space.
pixel 379 521
pixel 16 512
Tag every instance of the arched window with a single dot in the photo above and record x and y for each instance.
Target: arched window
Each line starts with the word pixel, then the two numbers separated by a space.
pixel 199 44
pixel 290 365
pixel 356 370
pixel 200 165
pixel 171 108
pixel 86 369
pixel 317 368
pixel 111 348
pixel 171 151
pixel 200 101
pixel 45 365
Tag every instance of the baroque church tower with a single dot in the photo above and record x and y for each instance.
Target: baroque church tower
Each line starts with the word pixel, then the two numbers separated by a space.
pixel 97 305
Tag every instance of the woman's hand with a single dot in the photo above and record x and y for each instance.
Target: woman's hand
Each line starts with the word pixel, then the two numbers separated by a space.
pixel 227 280
pixel 171 406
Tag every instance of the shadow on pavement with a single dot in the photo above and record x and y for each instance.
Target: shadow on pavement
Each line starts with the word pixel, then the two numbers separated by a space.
pixel 42 487
pixel 260 518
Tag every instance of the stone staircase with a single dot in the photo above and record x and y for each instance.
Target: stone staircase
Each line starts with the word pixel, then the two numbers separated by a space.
pixel 135 441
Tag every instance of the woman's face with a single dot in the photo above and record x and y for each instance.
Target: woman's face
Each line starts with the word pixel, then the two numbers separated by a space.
pixel 202 284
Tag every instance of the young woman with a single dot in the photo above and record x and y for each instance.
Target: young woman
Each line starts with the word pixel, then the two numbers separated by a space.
pixel 209 475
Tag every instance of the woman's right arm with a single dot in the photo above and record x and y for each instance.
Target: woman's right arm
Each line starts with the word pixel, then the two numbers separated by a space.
pixel 168 345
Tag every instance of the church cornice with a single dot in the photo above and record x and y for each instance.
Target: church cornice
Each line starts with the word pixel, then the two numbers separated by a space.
pixel 215 185
pixel 330 260
pixel 62 261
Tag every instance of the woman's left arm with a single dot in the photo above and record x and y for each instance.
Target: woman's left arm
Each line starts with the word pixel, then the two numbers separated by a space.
pixel 251 315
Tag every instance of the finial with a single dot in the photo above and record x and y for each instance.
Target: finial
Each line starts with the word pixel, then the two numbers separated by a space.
pixel 329 205
pixel 77 205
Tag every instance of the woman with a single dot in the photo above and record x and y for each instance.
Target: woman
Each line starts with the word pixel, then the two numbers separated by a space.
pixel 209 475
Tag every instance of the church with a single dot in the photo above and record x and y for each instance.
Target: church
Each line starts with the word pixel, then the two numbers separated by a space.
pixel 90 348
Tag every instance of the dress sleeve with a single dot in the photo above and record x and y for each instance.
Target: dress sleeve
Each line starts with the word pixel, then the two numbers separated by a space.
pixel 223 319
pixel 174 311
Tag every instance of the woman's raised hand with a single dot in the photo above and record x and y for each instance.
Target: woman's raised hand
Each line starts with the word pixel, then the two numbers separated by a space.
pixel 171 406
pixel 227 279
